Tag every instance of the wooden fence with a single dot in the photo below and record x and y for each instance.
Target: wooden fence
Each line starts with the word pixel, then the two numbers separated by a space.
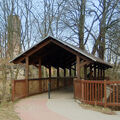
pixel 105 93
pixel 37 86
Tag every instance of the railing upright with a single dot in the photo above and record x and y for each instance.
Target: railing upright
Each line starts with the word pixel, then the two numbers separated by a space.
pixel 105 96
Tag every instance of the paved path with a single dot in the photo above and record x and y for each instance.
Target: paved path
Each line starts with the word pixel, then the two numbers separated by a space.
pixel 61 106
pixel 36 109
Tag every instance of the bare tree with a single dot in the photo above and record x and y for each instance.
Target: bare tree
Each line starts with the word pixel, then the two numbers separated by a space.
pixel 74 20
pixel 107 11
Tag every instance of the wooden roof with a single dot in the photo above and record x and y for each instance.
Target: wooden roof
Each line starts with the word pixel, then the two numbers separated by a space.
pixel 56 53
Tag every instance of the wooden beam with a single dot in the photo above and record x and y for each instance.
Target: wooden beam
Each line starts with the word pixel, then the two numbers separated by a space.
pixel 78 66
pixel 85 63
pixel 35 49
pixel 27 75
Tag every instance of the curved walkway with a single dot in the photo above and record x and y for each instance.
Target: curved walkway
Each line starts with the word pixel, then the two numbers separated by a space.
pixel 35 108
pixel 61 106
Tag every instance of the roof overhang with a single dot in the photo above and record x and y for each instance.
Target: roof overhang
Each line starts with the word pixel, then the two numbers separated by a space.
pixel 52 49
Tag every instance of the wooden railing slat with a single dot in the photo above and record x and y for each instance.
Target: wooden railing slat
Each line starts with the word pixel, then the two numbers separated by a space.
pixel 117 94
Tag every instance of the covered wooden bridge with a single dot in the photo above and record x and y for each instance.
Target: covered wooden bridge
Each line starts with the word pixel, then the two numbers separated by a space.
pixel 89 81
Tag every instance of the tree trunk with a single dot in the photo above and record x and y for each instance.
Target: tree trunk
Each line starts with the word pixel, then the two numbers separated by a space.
pixel 81 24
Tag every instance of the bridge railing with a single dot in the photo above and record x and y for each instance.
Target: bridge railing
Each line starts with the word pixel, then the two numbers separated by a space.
pixel 38 85
pixel 105 93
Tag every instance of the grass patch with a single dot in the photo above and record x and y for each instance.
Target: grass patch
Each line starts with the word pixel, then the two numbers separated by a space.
pixel 97 108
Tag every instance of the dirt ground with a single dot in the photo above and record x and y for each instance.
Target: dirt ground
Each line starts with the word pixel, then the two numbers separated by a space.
pixel 7 112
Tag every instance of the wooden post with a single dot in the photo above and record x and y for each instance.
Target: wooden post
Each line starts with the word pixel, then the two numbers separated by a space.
pixel 27 75
pixel 78 66
pixel 50 74
pixel 75 70
pixel 64 77
pixel 90 71
pixel 98 73
pixel 103 74
pixel 85 72
pixel 40 75
pixel 94 71
pixel 49 83
pixel 58 78
pixel 78 75
pixel 70 74
pixel 105 96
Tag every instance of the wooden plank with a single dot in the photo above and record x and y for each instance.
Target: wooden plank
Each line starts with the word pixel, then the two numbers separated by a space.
pixel 90 91
pixel 93 92
pixel 98 92
pixel 113 93
pixel 110 93
pixel 105 94
pixel 85 90
pixel 117 94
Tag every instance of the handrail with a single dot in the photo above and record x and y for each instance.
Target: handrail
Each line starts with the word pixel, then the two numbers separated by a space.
pixel 46 78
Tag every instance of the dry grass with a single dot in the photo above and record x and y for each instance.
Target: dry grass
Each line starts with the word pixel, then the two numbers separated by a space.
pixel 7 112
pixel 98 109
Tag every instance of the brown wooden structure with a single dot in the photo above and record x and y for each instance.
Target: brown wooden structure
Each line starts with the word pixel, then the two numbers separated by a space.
pixel 90 88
